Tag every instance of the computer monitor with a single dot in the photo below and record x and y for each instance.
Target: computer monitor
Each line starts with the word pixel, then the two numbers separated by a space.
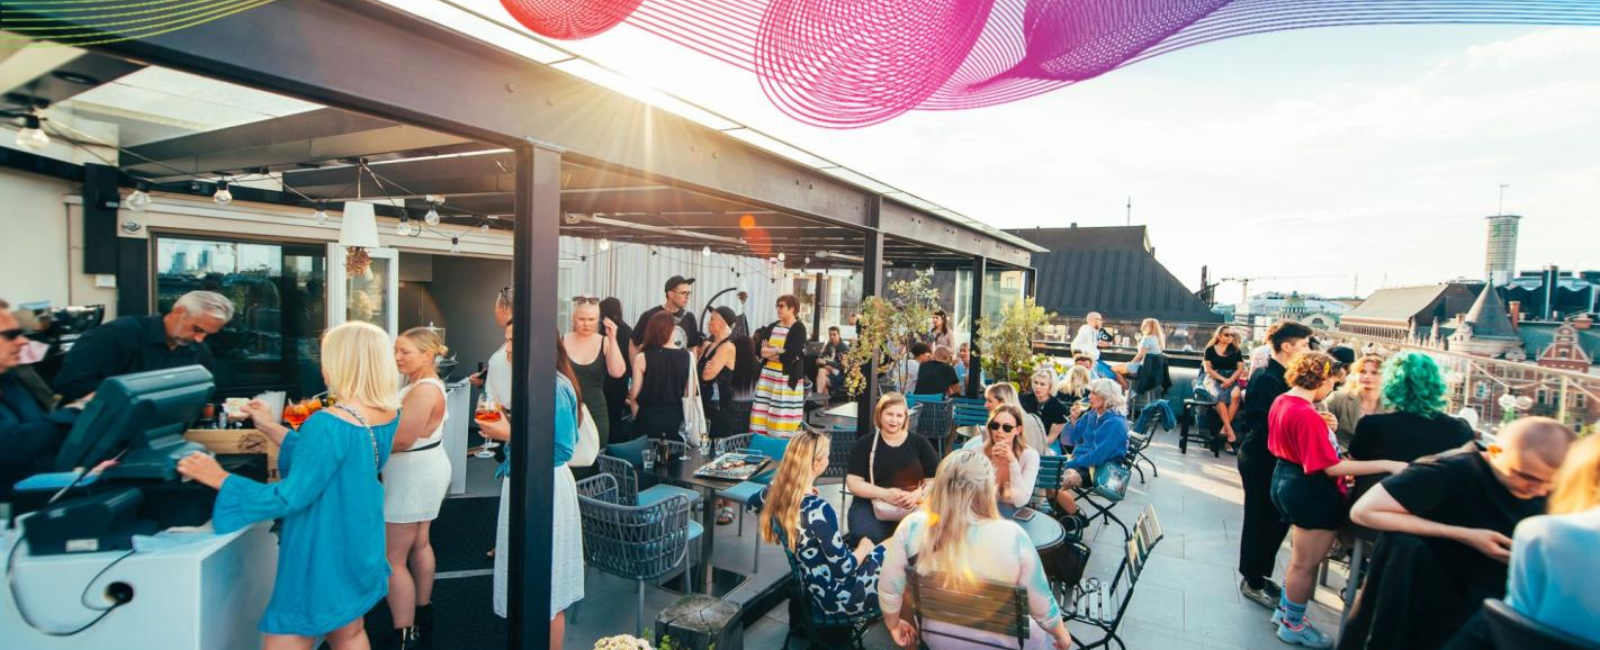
pixel 144 414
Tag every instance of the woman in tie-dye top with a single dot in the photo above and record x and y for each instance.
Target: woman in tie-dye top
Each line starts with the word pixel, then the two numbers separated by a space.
pixel 961 535
pixel 780 394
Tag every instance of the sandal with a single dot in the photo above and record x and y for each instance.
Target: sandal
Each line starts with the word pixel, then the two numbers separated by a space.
pixel 724 516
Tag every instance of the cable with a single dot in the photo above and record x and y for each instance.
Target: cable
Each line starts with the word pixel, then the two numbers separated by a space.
pixel 22 612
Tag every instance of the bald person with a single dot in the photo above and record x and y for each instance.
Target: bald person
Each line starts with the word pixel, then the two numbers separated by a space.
pixel 1463 506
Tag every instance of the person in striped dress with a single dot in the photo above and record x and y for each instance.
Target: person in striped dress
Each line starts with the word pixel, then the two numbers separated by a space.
pixel 780 392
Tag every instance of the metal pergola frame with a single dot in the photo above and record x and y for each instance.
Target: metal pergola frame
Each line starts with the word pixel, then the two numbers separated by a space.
pixel 385 64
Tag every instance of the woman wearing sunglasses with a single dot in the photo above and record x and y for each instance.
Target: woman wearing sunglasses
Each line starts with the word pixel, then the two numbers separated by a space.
pixel 28 433
pixel 592 348
pixel 1016 465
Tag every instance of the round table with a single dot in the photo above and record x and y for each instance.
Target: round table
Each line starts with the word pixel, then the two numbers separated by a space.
pixel 1044 530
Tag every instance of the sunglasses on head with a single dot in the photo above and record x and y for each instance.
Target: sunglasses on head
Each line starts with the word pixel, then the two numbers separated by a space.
pixel 586 300
pixel 999 426
pixel 11 334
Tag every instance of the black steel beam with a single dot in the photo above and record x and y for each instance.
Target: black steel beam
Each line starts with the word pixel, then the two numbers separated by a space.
pixel 905 222
pixel 313 136
pixel 535 257
pixel 101 197
pixel 871 285
pixel 71 78
pixel 980 267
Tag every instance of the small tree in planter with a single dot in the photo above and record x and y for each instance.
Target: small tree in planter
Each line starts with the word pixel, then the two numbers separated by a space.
pixel 1006 345
pixel 886 325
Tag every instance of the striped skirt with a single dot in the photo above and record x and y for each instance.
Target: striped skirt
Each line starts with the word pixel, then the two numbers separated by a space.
pixel 778 409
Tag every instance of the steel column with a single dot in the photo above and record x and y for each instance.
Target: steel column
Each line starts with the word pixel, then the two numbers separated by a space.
pixel 816 307
pixel 534 270
pixel 871 285
pixel 980 268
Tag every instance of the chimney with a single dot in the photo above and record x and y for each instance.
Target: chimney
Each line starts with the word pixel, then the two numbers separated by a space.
pixel 1514 310
pixel 1582 322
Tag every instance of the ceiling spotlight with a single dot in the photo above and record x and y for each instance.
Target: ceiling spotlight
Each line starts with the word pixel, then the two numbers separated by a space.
pixel 605 244
pixel 432 218
pixel 140 198
pixel 222 196
pixel 705 251
pixel 455 244
pixel 321 215
pixel 32 136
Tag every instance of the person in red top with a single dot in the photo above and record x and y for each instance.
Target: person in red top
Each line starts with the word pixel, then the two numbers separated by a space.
pixel 1307 485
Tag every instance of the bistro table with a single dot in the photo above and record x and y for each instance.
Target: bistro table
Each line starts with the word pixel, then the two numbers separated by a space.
pixel 842 416
pixel 1044 530
pixel 680 471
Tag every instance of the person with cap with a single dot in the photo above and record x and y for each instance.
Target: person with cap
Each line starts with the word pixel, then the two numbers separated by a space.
pixel 141 343
pixel 686 332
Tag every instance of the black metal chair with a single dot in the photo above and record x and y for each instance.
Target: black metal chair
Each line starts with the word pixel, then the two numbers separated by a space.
pixel 1509 629
pixel 1194 425
pixel 1103 605
pixel 977 604
pixel 1138 442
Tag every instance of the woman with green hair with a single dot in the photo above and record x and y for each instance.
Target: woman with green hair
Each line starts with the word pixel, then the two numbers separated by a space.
pixel 1414 389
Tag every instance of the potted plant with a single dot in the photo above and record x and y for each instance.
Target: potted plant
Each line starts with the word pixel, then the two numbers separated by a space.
pixel 1006 343
pixel 886 326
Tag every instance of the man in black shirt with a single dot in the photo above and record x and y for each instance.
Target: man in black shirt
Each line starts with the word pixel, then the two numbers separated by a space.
pixel 1263 531
pixel 1464 505
pixel 936 376
pixel 141 343
pixel 687 333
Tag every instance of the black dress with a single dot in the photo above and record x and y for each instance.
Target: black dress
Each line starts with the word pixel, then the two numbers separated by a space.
pixel 666 376
pixel 717 395
pixel 616 390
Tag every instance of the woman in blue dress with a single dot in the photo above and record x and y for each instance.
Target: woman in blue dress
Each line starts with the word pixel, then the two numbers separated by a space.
pixel 331 566
pixel 841 582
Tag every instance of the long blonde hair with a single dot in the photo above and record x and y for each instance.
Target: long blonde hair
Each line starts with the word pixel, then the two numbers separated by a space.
pixel 790 486
pixel 1004 393
pixel 358 360
pixel 1577 483
pixel 1076 381
pixel 1150 327
pixel 963 495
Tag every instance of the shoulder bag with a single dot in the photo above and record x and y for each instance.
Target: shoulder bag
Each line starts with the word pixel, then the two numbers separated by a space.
pixel 883 510
pixel 693 429
pixel 1111 480
pixel 587 449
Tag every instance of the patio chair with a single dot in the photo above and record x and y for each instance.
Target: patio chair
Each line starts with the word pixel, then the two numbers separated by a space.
pixel 744 491
pixel 1512 630
pixel 980 605
pixel 935 420
pixel 1194 424
pixel 1052 470
pixel 623 461
pixel 842 441
pixel 970 411
pixel 813 622
pixel 1104 606
pixel 1138 442
pixel 635 542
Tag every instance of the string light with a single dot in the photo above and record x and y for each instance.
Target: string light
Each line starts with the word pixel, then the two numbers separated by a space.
pixel 781 256
pixel 32 136
pixel 605 244
pixel 404 227
pixel 484 229
pixel 455 244
pixel 321 215
pixel 432 218
pixel 705 252
pixel 222 196
pixel 140 198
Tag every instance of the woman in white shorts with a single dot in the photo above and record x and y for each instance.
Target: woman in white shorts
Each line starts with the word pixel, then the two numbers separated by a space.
pixel 415 483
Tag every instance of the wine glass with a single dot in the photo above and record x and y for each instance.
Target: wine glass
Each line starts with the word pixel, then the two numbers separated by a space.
pixel 488 411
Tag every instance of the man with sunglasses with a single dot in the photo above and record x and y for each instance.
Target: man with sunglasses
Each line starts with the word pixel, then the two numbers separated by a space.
pixel 29 433
pixel 1447 522
pixel 687 332
pixel 143 343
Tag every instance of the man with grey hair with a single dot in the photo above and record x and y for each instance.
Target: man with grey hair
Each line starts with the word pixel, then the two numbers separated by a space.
pixel 141 343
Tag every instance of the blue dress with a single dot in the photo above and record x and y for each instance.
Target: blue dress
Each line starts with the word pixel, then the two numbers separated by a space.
pixel 331 566
pixel 839 586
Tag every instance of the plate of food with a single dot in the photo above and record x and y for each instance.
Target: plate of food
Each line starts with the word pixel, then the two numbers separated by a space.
pixel 733 466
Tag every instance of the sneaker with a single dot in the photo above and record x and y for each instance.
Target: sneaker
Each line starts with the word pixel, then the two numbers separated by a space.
pixel 1273 589
pixel 1303 635
pixel 1259 596
pixel 1277 616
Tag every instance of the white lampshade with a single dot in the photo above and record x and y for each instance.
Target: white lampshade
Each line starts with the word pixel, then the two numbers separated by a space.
pixel 359 228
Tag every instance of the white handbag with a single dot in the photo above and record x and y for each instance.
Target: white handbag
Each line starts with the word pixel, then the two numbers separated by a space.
pixel 588 447
pixel 694 414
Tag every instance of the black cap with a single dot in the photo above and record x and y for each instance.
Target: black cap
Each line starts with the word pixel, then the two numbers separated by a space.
pixel 1343 355
pixel 674 281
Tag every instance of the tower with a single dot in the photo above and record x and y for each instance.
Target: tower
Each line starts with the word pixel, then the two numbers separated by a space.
pixel 1500 259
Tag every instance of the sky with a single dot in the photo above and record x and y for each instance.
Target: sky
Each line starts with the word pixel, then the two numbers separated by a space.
pixel 1332 161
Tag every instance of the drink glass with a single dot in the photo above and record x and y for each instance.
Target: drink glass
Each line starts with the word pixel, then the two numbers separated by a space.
pixel 296 414
pixel 648 456
pixel 705 445
pixel 488 411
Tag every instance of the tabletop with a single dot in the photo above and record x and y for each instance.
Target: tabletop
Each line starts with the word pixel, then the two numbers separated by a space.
pixel 680 471
pixel 1044 530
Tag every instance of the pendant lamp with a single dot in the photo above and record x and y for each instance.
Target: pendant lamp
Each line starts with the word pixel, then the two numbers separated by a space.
pixel 358 231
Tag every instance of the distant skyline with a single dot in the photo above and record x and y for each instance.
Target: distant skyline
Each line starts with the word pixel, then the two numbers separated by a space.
pixel 1367 157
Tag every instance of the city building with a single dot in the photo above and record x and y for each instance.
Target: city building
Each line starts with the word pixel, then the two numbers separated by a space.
pixel 1264 309
pixel 1553 294
pixel 1500 256
pixel 1407 314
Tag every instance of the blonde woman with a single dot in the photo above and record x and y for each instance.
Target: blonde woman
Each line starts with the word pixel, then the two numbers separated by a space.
pixel 415 484
pixel 839 580
pixel 331 567
pixel 1553 561
pixel 1075 385
pixel 892 465
pixel 1150 335
pixel 1362 396
pixel 1033 432
pixel 960 536
pixel 1040 401
pixel 1016 465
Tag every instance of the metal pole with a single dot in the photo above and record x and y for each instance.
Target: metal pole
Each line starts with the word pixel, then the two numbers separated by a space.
pixel 871 285
pixel 536 254
pixel 980 269
pixel 816 308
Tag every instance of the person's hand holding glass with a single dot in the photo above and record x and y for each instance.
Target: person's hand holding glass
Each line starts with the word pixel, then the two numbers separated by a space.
pixel 492 424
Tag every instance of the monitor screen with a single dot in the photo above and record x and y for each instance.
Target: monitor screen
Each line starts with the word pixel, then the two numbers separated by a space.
pixel 129 411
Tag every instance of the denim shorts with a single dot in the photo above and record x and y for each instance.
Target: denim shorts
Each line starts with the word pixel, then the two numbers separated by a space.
pixel 1310 501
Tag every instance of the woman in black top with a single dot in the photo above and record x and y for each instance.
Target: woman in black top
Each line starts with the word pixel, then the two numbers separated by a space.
pixel 616 389
pixel 1040 401
pixel 1223 367
pixel 727 376
pixel 893 466
pixel 1415 389
pixel 660 380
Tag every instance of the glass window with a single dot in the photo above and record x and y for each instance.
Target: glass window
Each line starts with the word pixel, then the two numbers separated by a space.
pixel 278 294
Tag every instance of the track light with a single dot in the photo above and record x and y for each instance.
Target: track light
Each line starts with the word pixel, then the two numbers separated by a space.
pixel 32 136
pixel 139 199
pixel 222 196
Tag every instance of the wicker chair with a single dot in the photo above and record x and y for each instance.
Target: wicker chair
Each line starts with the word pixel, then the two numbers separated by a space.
pixel 635 542
pixel 623 461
